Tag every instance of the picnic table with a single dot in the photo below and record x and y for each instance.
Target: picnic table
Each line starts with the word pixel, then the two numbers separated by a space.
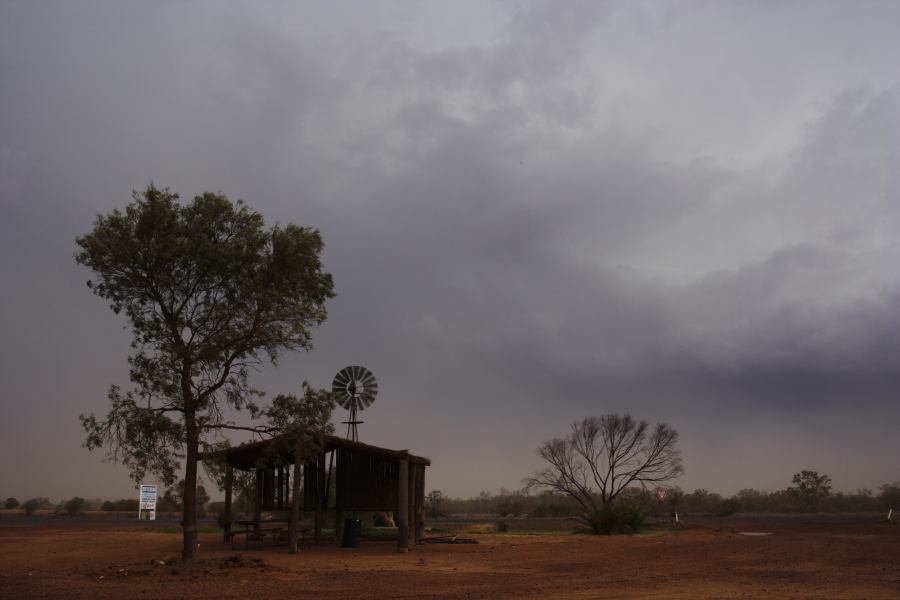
pixel 268 527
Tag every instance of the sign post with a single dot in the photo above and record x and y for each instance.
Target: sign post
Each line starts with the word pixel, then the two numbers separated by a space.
pixel 148 503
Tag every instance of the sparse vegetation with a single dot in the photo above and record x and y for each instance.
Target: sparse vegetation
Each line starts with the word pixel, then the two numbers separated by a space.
pixel 811 488
pixel 11 503
pixel 75 506
pixel 890 496
pixel 434 504
pixel 601 459
pixel 32 504
pixel 123 505
pixel 620 516
pixel 700 502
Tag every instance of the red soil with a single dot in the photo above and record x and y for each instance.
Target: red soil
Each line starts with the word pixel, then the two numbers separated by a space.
pixel 121 560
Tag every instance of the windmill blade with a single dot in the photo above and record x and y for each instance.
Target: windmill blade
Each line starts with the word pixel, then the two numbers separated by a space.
pixel 341 380
pixel 354 388
pixel 369 380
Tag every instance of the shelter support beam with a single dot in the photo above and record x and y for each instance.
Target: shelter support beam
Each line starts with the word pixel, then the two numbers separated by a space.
pixel 321 495
pixel 257 506
pixel 420 503
pixel 411 503
pixel 293 530
pixel 338 510
pixel 403 507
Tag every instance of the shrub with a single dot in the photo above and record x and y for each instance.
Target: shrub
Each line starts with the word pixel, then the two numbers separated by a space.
pixel 890 495
pixel 502 526
pixel 217 510
pixel 510 505
pixel 128 505
pixel 614 517
pixel 546 509
pixel 728 507
pixel 434 504
pixel 123 505
pixel 75 506
pixel 32 504
pixel 11 503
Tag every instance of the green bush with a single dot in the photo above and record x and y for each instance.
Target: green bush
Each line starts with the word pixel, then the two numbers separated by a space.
pixel 217 510
pixel 220 518
pixel 502 526
pixel 123 505
pixel 553 508
pixel 32 504
pixel 728 507
pixel 614 518
pixel 11 503
pixel 75 506
pixel 890 496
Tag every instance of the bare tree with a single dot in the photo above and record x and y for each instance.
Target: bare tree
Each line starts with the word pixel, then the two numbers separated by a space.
pixel 603 456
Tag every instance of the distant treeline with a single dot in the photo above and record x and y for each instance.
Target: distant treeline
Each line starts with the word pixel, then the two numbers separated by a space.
pixel 170 501
pixel 698 502
pixel 517 503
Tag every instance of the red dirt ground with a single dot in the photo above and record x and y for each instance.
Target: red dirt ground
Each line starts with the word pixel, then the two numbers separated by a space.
pixel 115 560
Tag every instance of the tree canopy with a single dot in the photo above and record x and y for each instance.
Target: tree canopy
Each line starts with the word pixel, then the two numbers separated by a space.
pixel 210 294
pixel 810 487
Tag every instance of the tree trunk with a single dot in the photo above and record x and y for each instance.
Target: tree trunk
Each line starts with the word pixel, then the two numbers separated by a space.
pixel 229 485
pixel 189 508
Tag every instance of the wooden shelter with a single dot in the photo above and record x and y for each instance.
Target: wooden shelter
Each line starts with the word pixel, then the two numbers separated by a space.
pixel 366 479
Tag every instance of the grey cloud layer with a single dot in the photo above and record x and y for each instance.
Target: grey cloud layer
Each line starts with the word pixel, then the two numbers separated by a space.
pixel 561 209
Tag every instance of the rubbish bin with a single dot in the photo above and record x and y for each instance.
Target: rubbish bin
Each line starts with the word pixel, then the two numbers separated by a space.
pixel 352 529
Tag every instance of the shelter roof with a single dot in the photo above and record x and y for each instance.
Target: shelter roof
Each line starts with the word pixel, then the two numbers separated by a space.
pixel 246 456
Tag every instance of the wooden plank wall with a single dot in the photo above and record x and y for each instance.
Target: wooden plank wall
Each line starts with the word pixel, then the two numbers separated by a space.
pixel 366 482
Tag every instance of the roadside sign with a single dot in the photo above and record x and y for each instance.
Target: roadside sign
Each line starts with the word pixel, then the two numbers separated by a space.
pixel 148 503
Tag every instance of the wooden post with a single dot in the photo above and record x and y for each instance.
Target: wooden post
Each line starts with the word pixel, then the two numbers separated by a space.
pixel 403 506
pixel 288 491
pixel 320 496
pixel 229 483
pixel 420 503
pixel 338 512
pixel 279 488
pixel 411 502
pixel 293 530
pixel 257 507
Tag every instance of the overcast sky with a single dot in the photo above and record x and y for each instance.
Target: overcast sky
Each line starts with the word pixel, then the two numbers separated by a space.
pixel 533 212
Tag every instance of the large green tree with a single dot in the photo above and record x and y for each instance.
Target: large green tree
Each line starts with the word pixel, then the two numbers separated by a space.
pixel 210 293
pixel 810 487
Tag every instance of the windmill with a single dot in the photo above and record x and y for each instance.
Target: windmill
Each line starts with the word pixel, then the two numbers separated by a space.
pixel 354 388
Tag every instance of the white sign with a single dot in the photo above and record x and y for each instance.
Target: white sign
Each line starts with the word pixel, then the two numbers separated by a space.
pixel 148 503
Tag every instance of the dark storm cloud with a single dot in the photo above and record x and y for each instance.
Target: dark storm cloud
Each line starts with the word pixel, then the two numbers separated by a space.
pixel 533 212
